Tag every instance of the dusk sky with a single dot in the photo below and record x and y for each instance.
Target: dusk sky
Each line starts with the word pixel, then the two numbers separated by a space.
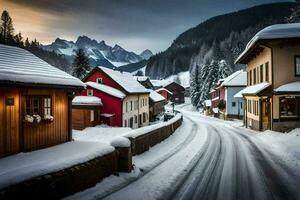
pixel 133 24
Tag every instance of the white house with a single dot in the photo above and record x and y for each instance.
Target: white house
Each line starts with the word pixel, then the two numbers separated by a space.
pixel 232 85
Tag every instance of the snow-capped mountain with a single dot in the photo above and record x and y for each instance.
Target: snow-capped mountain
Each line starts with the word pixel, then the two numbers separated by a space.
pixel 146 54
pixel 99 52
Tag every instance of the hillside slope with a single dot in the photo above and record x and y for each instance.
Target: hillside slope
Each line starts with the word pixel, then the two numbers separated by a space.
pixel 219 38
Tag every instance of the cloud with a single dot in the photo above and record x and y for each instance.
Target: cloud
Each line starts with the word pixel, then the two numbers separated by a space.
pixel 155 23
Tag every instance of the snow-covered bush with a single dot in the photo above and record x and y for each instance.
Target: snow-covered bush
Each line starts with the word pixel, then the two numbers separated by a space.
pixel 48 118
pixel 29 119
pixel 37 118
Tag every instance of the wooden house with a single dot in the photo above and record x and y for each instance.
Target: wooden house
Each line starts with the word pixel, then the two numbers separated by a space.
pixel 125 101
pixel 156 104
pixel 225 91
pixel 272 95
pixel 35 102
pixel 176 89
pixel 86 112
pixel 165 93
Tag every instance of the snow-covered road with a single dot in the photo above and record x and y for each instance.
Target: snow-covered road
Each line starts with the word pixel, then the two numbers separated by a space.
pixel 207 158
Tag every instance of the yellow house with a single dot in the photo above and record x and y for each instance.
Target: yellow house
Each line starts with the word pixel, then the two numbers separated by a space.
pixel 272 95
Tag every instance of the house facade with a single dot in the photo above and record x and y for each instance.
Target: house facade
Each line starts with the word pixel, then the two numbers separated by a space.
pixel 86 112
pixel 272 97
pixel 156 105
pixel 35 102
pixel 165 93
pixel 125 100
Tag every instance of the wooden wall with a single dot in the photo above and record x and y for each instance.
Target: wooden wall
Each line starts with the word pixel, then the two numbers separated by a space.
pixel 44 134
pixel 81 118
pixel 9 122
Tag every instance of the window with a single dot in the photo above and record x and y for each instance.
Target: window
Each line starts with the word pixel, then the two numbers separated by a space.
pixel 125 123
pixel 144 117
pixel 90 92
pixel 136 105
pixel 233 104
pixel 297 65
pixel 131 106
pixel 288 107
pixel 261 73
pixel 135 119
pixel 250 78
pixel 126 107
pixel 92 117
pixel 267 71
pixel 99 80
pixel 241 105
pixel 254 76
pixel 38 105
pixel 47 106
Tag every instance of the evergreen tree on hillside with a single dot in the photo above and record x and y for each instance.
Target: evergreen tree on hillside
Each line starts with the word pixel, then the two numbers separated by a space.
pixel 195 85
pixel 295 16
pixel 81 64
pixel 7 29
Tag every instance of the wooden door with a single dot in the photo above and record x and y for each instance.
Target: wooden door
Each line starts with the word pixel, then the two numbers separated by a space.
pixel 265 115
pixel 9 122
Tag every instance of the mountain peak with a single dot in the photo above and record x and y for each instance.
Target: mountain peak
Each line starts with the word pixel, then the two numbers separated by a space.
pixel 146 54
pixel 85 40
pixel 117 47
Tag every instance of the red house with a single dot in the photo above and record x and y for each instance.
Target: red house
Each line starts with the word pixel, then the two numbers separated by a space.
pixel 125 101
pixel 165 93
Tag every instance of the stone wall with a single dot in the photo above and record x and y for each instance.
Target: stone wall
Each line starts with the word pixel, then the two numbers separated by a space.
pixel 64 182
pixel 143 142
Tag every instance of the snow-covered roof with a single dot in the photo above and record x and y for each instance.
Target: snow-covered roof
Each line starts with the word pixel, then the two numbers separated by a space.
pixel 290 87
pixel 164 89
pixel 253 89
pixel 107 115
pixel 277 31
pixel 125 80
pixel 207 102
pixel 106 89
pixel 238 95
pixel 87 100
pixel 141 78
pixel 155 97
pixel 160 83
pixel 238 78
pixel 20 66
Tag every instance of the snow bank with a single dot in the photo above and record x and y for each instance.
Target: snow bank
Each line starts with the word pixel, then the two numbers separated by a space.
pixel 23 166
pixel 86 100
pixel 106 89
pixel 282 142
pixel 144 130
pixel 104 134
pixel 120 142
pixel 19 65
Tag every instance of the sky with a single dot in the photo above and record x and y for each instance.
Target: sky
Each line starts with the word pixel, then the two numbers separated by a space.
pixel 135 25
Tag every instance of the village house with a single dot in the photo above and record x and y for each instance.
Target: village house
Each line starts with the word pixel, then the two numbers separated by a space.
pixel 156 104
pixel 35 102
pixel 145 81
pixel 224 94
pixel 86 112
pixel 156 101
pixel 272 97
pixel 165 93
pixel 176 89
pixel 125 101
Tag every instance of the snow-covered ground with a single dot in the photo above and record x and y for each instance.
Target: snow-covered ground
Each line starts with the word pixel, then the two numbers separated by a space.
pixel 208 158
pixel 23 166
pixel 101 133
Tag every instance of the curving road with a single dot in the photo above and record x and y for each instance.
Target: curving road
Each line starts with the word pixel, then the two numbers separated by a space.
pixel 216 161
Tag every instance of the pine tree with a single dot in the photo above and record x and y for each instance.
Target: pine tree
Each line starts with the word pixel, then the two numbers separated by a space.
pixel 295 16
pixel 81 64
pixel 27 43
pixel 19 39
pixel 195 86
pixel 7 29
